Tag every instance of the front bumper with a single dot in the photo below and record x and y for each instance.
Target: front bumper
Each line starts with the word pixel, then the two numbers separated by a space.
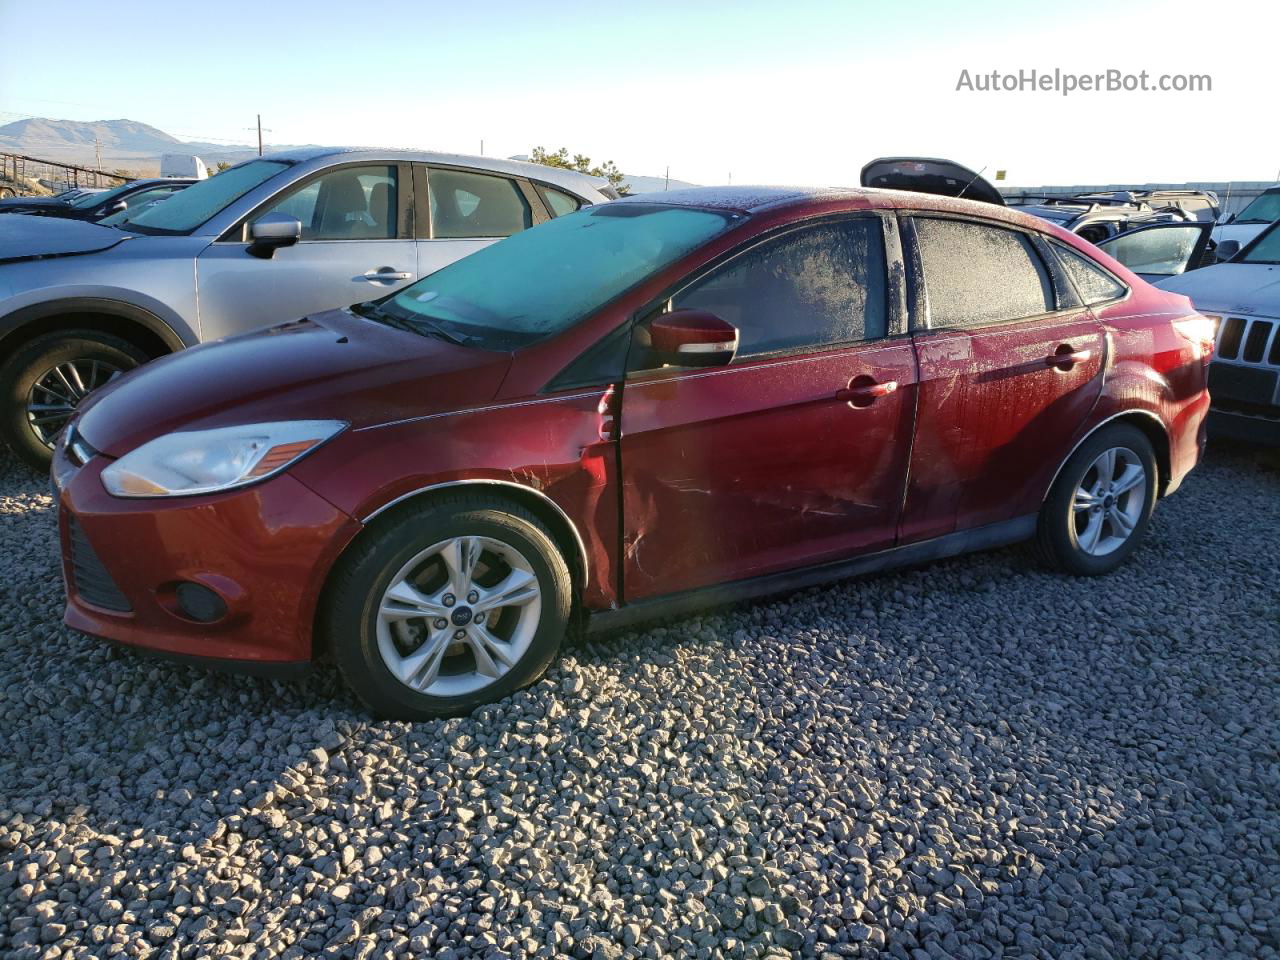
pixel 1246 427
pixel 264 550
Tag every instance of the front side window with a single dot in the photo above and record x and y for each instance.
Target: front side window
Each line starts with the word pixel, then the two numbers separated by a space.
pixel 977 274
pixel 1093 283
pixel 199 202
pixel 553 275
pixel 351 203
pixel 811 288
pixel 139 202
pixel 1163 251
pixel 467 204
pixel 85 201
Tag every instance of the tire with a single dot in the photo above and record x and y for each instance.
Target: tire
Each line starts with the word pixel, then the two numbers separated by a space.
pixel 97 357
pixel 409 548
pixel 1092 541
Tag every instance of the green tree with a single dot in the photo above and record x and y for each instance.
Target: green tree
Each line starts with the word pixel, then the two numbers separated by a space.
pixel 609 170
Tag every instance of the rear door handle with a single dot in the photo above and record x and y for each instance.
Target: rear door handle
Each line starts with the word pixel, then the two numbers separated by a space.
pixel 386 273
pixel 1064 358
pixel 863 391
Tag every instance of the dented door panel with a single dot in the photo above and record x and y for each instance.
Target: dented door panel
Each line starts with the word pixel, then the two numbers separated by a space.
pixel 760 467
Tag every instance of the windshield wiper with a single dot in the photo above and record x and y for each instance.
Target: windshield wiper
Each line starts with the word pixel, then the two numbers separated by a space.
pixel 421 325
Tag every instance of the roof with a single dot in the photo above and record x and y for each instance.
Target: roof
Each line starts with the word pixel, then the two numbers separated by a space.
pixel 579 183
pixel 753 200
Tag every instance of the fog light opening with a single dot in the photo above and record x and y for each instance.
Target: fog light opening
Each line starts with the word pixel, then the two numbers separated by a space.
pixel 197 602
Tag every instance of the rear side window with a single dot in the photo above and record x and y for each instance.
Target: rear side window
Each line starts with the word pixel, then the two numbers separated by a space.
pixel 810 288
pixel 1093 283
pixel 976 274
pixel 476 205
pixel 559 202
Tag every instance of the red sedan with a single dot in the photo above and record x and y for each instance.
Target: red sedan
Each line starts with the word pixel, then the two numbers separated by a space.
pixel 643 407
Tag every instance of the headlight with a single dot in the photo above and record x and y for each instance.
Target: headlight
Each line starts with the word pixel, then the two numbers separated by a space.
pixel 206 461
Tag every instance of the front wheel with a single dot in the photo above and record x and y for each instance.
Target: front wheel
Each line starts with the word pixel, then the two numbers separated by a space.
pixel 1100 506
pixel 447 607
pixel 45 380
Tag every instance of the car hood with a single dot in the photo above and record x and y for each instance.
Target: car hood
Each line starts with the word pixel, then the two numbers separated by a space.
pixel 1230 288
pixel 332 366
pixel 10 204
pixel 34 238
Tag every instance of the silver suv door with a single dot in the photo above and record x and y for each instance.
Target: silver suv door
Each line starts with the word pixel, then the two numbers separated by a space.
pixel 460 211
pixel 357 244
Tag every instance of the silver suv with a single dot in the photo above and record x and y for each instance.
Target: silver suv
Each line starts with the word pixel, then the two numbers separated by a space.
pixel 271 239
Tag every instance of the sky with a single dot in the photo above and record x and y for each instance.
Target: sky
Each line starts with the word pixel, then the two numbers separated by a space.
pixel 795 92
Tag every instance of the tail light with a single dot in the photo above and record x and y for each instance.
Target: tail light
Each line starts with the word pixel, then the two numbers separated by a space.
pixel 1200 330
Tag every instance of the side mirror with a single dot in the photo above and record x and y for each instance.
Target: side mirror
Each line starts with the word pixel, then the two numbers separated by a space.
pixel 117 207
pixel 272 231
pixel 1227 249
pixel 693 338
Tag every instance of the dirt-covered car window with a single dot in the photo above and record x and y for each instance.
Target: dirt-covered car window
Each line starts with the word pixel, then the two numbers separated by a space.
pixel 818 286
pixel 1093 283
pixel 975 274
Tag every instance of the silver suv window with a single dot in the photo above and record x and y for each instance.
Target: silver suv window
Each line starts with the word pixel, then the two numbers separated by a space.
pixel 200 201
pixel 476 205
pixel 350 203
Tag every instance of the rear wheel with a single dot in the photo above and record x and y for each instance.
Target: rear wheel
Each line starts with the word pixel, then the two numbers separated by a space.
pixel 46 380
pixel 1099 508
pixel 447 607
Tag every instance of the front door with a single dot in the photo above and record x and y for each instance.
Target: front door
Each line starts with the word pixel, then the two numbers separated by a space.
pixel 1010 365
pixel 795 453
pixel 1162 250
pixel 357 244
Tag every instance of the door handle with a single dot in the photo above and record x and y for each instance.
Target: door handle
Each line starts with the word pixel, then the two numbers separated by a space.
pixel 386 273
pixel 863 391
pixel 1064 358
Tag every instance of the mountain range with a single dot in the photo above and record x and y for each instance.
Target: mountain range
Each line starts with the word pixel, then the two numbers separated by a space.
pixel 137 147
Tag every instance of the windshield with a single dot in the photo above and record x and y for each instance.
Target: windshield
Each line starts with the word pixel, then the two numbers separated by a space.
pixel 541 281
pixel 138 203
pixel 1265 249
pixel 106 196
pixel 1264 209
pixel 200 201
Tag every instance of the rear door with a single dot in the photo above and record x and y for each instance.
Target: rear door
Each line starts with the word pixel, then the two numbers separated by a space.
pixel 462 211
pixel 786 457
pixel 357 244
pixel 1162 250
pixel 1010 365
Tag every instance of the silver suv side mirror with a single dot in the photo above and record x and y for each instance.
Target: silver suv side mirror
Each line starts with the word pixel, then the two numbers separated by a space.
pixel 1227 249
pixel 271 231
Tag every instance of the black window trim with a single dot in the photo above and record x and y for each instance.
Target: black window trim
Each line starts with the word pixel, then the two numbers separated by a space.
pixel 239 231
pixel 1054 244
pixel 920 302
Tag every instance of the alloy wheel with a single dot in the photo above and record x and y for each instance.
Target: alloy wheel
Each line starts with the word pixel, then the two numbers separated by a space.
pixel 1108 501
pixel 458 616
pixel 54 396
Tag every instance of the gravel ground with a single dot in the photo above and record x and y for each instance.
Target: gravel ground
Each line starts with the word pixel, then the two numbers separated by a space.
pixel 974 759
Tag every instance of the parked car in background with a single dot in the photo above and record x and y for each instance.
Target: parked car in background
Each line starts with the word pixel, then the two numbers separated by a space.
pixel 1242 227
pixel 280 236
pixel 94 206
pixel 1100 216
pixel 633 410
pixel 1242 298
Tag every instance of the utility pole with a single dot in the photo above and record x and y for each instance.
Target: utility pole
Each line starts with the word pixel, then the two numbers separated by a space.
pixel 97 154
pixel 482 148
pixel 260 132
pixel 667 179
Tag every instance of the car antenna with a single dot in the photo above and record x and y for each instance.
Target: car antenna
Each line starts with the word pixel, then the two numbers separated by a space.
pixel 975 179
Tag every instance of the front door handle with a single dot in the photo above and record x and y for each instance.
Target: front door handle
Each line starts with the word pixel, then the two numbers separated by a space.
pixel 864 391
pixel 387 273
pixel 1066 356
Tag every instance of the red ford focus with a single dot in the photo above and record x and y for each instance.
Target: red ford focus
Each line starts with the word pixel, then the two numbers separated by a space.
pixel 632 410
